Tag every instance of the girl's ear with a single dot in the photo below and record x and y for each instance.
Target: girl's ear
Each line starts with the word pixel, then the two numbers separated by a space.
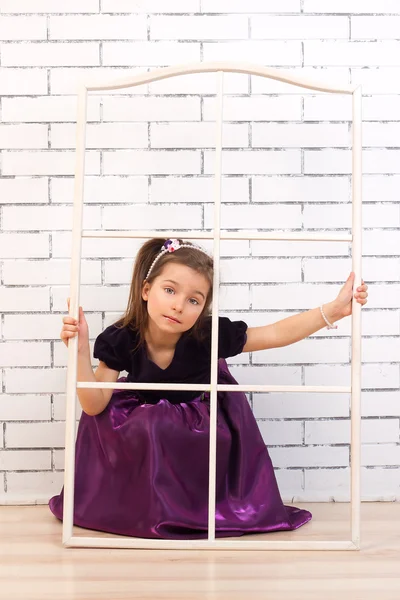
pixel 145 291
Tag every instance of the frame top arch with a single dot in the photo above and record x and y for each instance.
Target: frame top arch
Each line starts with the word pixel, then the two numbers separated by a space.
pixel 225 66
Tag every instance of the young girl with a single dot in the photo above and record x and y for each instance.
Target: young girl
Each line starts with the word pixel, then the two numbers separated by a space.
pixel 142 457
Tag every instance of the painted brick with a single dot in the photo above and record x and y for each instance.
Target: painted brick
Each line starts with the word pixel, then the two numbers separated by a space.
pixel 23 136
pixel 282 248
pixel 383 403
pixel 16 460
pixel 301 189
pixel 47 6
pixel 23 82
pixel 198 189
pixel 255 162
pixel 255 108
pixel 48 272
pixel 253 270
pixel 270 135
pixel 360 54
pixel 34 486
pixel 339 432
pixel 46 109
pixel 34 381
pixel 339 161
pixel 197 135
pixel 20 354
pixel 24 190
pixel 35 435
pixel 151 109
pixel 234 217
pixel 101 190
pixel 325 108
pixel 291 296
pixel 381 350
pixel 252 6
pixel 335 269
pixel 50 54
pixel 381 243
pixel 316 456
pixel 381 322
pixel 350 6
pixel 47 218
pixel 23 28
pixel 47 162
pixel 27 407
pixel 98 27
pixel 380 455
pixel 278 433
pixel 299 27
pixel 377 80
pixel 301 406
pixel 152 162
pixel 280 53
pixel 306 351
pixel 328 484
pixel 26 299
pixel 151 6
pixel 44 327
pixel 199 28
pixel 372 28
pixel 379 484
pixel 148 54
pixel 101 135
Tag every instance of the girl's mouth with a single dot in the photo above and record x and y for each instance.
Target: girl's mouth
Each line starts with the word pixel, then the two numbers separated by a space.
pixel 171 319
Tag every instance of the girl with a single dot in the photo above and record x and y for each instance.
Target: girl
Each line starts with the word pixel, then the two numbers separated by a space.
pixel 142 457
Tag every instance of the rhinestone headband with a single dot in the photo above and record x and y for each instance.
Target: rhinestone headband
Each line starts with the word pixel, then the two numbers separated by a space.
pixel 172 246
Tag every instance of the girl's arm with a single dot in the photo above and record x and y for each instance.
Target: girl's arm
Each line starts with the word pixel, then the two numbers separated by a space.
pixel 296 328
pixel 93 401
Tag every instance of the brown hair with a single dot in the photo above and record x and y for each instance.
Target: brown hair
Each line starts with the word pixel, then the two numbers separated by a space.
pixel 136 315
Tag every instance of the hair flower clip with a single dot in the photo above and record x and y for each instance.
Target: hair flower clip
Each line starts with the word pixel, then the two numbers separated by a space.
pixel 171 245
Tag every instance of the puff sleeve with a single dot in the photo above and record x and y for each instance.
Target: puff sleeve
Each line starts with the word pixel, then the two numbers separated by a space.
pixel 113 347
pixel 232 337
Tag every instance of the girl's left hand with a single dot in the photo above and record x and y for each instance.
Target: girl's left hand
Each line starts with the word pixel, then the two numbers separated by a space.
pixel 345 296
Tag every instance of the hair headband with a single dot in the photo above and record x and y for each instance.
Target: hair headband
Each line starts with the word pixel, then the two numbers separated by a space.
pixel 172 246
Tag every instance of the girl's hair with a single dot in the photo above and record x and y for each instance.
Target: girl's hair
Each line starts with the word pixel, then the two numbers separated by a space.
pixel 136 315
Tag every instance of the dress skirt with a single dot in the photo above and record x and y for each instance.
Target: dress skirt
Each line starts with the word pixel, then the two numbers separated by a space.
pixel 141 470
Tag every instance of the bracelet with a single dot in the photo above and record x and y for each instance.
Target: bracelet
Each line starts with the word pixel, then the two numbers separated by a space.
pixel 328 325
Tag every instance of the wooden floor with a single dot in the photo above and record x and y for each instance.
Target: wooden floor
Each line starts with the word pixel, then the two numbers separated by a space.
pixel 34 565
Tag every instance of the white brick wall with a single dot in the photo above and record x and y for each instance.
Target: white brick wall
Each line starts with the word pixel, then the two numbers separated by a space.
pixel 150 161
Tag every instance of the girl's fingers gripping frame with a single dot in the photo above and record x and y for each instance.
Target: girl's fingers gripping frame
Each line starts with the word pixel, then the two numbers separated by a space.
pixel 67 334
pixel 70 328
pixel 69 321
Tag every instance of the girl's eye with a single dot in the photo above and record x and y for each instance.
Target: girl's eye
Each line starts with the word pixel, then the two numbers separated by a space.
pixel 169 290
pixel 193 301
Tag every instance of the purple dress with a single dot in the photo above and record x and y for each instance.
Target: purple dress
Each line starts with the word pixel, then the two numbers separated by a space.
pixel 141 466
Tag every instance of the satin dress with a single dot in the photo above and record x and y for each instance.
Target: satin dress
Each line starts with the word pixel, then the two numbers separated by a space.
pixel 141 466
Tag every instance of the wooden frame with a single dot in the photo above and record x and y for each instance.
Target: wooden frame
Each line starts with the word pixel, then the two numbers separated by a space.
pixel 355 388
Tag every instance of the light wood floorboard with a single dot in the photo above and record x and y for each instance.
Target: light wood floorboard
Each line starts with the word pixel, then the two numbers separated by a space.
pixel 35 566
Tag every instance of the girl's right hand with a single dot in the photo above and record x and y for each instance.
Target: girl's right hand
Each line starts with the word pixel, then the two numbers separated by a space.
pixel 71 327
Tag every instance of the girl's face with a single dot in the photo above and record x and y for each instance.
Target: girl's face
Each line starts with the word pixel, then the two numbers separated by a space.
pixel 176 298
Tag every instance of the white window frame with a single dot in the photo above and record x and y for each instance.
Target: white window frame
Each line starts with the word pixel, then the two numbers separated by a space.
pixel 251 542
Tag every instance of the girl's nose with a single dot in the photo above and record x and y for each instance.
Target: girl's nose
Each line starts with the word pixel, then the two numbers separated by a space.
pixel 177 305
